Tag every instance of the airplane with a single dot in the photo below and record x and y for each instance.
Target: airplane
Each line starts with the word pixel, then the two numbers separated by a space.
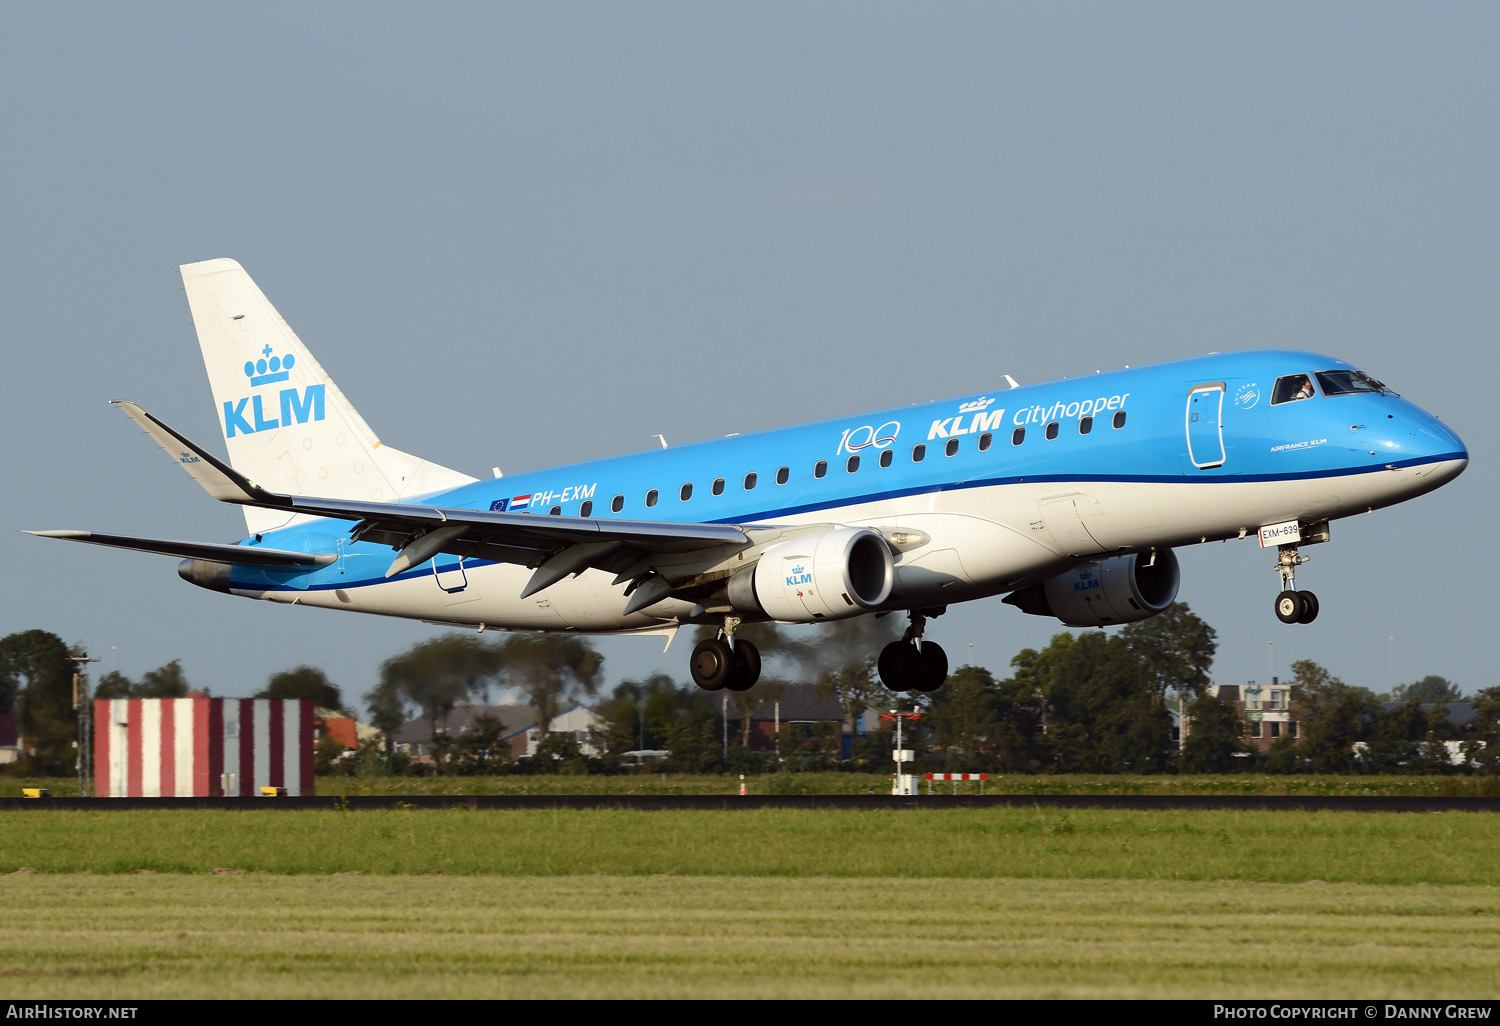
pixel 1067 497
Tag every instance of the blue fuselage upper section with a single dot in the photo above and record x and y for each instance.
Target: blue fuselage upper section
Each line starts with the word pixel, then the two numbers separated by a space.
pixel 1206 420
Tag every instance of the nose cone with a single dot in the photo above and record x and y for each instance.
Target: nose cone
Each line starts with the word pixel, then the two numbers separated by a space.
pixel 1441 443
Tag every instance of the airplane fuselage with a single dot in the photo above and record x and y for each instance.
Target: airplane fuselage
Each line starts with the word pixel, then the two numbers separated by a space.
pixel 985 493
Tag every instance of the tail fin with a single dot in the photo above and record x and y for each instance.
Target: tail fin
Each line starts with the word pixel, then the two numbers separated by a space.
pixel 286 424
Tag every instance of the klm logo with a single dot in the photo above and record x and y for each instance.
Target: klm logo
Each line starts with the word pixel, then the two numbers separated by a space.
pixel 1087 582
pixel 249 415
pixel 798 576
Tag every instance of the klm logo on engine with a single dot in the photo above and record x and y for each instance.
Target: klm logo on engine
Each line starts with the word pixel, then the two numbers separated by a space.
pixel 1087 582
pixel 249 415
pixel 799 575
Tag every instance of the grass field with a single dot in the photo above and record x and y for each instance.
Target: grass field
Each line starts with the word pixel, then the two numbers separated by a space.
pixel 784 903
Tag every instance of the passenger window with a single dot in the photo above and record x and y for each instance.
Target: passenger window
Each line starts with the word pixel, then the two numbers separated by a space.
pixel 1292 388
pixel 617 503
pixel 1085 425
pixel 718 486
pixel 1119 420
pixel 651 497
pixel 984 441
pixel 1018 436
pixel 853 464
pixel 1052 430
pixel 917 452
pixel 952 447
pixel 885 458
pixel 587 509
pixel 555 511
pixel 782 475
pixel 749 481
pixel 687 492
pixel 821 468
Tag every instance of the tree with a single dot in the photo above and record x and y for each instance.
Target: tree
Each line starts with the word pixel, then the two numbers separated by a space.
pixel 1175 648
pixel 482 748
pixel 1335 717
pixel 549 669
pixel 433 676
pixel 964 720
pixel 840 661
pixel 1483 747
pixel 1431 688
pixel 304 682
pixel 36 678
pixel 1103 715
pixel 163 682
pixel 166 681
pixel 1213 742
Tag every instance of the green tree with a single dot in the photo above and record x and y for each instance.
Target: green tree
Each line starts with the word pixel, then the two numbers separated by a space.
pixel 482 748
pixel 964 720
pixel 1213 742
pixel 1431 688
pixel 36 679
pixel 1482 746
pixel 1103 715
pixel 163 682
pixel 433 676
pixel 1336 716
pixel 840 661
pixel 304 682
pixel 550 669
pixel 1175 649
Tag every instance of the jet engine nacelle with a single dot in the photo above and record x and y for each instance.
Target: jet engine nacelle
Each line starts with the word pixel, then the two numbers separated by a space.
pixel 830 575
pixel 1121 589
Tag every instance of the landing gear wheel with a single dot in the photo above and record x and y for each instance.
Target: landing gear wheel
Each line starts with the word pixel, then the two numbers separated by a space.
pixel 934 667
pixel 1309 607
pixel 746 667
pixel 1290 607
pixel 900 665
pixel 712 664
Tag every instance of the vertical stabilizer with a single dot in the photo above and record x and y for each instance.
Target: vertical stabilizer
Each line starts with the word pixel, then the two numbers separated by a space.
pixel 285 423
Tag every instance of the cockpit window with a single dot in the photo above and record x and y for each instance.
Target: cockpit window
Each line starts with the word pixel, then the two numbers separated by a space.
pixel 1345 382
pixel 1291 388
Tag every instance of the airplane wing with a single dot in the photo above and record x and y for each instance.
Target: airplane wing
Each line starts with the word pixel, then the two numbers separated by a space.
pixel 656 558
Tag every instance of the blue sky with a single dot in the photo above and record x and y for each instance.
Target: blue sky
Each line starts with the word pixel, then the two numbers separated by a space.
pixel 524 234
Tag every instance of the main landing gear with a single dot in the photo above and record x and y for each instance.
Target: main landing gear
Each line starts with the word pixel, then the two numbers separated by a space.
pixel 722 662
pixel 912 664
pixel 1293 606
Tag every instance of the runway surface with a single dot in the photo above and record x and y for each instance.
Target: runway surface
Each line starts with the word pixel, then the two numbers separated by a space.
pixel 1282 803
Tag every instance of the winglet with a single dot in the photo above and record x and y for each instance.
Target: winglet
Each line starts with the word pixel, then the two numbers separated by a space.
pixel 219 480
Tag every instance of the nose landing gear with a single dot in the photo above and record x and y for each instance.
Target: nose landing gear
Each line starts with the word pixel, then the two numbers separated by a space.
pixel 912 664
pixel 722 662
pixel 1293 606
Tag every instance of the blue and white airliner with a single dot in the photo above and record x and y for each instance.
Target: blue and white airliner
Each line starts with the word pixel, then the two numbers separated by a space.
pixel 1067 497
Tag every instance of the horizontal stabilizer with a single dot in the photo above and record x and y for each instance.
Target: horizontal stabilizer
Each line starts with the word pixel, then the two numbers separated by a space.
pixel 241 555
pixel 220 481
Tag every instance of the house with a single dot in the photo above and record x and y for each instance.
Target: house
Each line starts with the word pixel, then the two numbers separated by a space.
pixel 1267 712
pixel 519 727
pixel 798 705
pixel 10 738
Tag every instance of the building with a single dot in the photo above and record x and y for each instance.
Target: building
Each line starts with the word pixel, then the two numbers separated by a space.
pixel 203 747
pixel 797 705
pixel 1267 712
pixel 519 724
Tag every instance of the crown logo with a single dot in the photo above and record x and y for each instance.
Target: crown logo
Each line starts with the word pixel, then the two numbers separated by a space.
pixel 976 404
pixel 269 368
